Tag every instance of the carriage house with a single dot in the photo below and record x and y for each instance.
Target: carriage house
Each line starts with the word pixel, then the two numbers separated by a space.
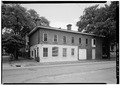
pixel 55 44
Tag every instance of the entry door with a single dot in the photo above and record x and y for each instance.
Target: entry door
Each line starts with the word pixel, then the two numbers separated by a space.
pixel 82 54
pixel 93 53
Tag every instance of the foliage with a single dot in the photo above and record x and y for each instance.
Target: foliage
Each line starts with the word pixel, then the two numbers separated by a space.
pixel 100 21
pixel 12 43
pixel 14 17
pixel 21 21
pixel 34 16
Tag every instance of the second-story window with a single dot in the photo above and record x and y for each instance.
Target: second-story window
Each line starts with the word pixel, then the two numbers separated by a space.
pixel 55 38
pixel 93 43
pixel 79 40
pixel 64 39
pixel 72 40
pixel 86 41
pixel 44 37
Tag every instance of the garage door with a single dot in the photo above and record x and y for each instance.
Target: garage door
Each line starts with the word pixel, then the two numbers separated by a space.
pixel 82 54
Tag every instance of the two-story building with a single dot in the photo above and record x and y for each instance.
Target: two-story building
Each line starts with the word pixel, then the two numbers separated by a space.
pixel 55 44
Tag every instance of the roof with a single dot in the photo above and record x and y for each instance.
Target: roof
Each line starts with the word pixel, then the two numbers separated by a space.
pixel 64 30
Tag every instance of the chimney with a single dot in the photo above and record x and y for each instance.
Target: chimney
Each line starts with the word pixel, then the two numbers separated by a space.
pixel 38 22
pixel 69 27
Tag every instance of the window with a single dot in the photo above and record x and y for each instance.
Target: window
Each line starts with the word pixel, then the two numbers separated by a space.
pixel 64 39
pixel 72 40
pixel 38 51
pixel 72 51
pixel 55 38
pixel 93 42
pixel 45 52
pixel 79 40
pixel 55 51
pixel 64 52
pixel 35 53
pixel 86 41
pixel 32 53
pixel 44 37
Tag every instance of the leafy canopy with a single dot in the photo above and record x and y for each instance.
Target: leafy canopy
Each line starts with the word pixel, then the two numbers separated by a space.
pixel 99 20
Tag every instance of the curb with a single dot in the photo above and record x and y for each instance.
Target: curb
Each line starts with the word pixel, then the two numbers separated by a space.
pixel 54 65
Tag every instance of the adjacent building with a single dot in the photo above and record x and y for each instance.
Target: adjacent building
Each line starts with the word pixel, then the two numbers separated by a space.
pixel 55 44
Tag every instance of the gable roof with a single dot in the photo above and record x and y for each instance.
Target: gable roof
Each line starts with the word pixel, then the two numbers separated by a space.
pixel 64 30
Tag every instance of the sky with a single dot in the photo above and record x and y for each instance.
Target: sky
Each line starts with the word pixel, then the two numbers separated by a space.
pixel 60 15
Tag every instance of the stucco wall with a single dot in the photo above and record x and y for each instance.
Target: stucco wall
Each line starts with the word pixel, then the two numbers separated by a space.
pixel 60 57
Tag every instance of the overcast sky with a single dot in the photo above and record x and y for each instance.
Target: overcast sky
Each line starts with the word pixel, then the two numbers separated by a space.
pixel 60 15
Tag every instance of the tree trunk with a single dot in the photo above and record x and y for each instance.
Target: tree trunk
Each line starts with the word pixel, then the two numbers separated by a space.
pixel 108 50
pixel 16 54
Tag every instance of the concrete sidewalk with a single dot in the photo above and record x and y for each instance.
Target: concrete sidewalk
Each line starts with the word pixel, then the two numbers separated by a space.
pixel 32 63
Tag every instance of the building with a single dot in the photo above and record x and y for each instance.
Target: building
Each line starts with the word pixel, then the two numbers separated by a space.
pixel 52 44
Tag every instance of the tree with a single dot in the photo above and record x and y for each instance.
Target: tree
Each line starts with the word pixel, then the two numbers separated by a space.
pixel 34 16
pixel 100 21
pixel 21 21
pixel 12 43
pixel 44 21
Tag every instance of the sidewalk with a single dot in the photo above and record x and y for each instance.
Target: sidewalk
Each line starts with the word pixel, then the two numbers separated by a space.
pixel 32 63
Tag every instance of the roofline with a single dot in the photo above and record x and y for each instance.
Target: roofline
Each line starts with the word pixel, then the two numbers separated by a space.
pixel 70 31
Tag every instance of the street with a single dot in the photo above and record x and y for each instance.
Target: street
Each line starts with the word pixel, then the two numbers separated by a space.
pixel 96 72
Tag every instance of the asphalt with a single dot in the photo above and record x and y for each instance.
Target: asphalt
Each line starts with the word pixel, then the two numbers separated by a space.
pixel 26 63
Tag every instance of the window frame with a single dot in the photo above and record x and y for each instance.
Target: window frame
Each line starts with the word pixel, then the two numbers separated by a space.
pixel 86 41
pixel 45 54
pixel 72 51
pixel 55 51
pixel 64 39
pixel 93 42
pixel 44 37
pixel 56 38
pixel 32 53
pixel 72 40
pixel 37 51
pixel 64 52
pixel 80 40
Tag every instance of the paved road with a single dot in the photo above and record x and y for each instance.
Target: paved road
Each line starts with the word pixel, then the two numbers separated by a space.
pixel 102 72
